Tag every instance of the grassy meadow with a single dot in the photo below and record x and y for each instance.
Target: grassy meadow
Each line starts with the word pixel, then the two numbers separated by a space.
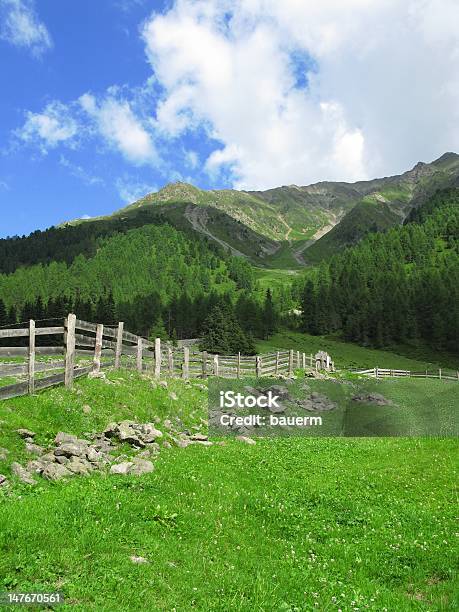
pixel 294 524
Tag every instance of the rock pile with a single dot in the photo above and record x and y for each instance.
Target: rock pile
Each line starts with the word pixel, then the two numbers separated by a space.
pixel 72 456
pixel 372 398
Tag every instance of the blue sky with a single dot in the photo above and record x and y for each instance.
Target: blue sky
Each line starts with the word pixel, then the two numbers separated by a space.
pixel 102 102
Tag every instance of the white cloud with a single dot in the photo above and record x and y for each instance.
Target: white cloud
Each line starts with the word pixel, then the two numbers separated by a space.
pixel 54 126
pixel 120 127
pixel 80 173
pixel 21 26
pixel 131 189
pixel 379 88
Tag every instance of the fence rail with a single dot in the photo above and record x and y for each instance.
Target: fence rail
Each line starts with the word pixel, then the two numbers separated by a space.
pixel 91 347
pixel 378 372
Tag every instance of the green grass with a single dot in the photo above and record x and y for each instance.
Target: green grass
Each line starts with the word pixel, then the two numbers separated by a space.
pixel 348 355
pixel 287 524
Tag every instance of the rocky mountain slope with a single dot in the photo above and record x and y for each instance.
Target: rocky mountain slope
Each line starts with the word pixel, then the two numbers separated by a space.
pixel 293 225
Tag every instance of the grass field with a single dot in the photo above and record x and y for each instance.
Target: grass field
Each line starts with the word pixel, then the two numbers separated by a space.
pixel 347 355
pixel 286 524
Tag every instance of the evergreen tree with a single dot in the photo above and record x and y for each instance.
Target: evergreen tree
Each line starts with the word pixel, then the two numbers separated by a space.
pixel 158 330
pixel 223 334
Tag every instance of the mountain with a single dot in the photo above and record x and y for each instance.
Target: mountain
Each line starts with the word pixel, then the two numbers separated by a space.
pixel 291 226
pixel 287 227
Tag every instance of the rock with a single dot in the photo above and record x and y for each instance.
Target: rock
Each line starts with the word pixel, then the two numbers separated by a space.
pixel 111 430
pixel 62 460
pixel 93 455
pixel 138 560
pixel 145 454
pixel 279 390
pixel 372 398
pixel 64 437
pixel 203 442
pixel 167 444
pixel 79 466
pixel 168 424
pixel 26 433
pixel 23 474
pixel 173 396
pixel 199 437
pixel 183 443
pixel 163 383
pixel 34 449
pixel 141 466
pixel 97 375
pixel 126 433
pixel 55 471
pixel 71 449
pixel 245 439
pixel 86 409
pixel 36 465
pixel 4 452
pixel 3 480
pixel 121 468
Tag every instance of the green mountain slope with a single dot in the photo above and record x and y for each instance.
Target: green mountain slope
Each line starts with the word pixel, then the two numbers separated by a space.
pixel 284 225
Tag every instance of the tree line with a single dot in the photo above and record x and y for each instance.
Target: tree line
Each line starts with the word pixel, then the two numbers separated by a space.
pixel 397 286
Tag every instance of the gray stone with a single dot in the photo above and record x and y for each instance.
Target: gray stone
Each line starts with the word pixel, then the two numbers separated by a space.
pixel 26 433
pixel 163 383
pixel 62 460
pixel 86 409
pixel 23 474
pixel 34 449
pixel 70 449
pixel 199 437
pixel 203 442
pixel 183 443
pixel 55 471
pixel 111 430
pixel 126 433
pixel 245 439
pixel 167 424
pixel 167 444
pixel 62 437
pixel 3 480
pixel 79 466
pixel 173 396
pixel 4 452
pixel 138 560
pixel 372 398
pixel 141 466
pixel 121 468
pixel 93 455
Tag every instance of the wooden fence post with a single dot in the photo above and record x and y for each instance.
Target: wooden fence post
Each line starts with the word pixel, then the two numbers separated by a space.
pixel 69 350
pixel 216 365
pixel 186 363
pixel 304 361
pixel 204 364
pixel 157 357
pixel 139 353
pixel 290 363
pixel 238 373
pixel 119 344
pixel 170 361
pixel 31 362
pixel 276 371
pixel 98 347
pixel 439 373
pixel 298 364
pixel 376 372
pixel 311 360
pixel 258 366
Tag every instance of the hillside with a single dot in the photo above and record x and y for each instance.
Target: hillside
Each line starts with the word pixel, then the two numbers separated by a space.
pixel 283 228
pixel 348 508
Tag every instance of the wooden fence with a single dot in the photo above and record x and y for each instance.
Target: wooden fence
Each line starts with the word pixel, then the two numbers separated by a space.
pixel 377 372
pixel 89 347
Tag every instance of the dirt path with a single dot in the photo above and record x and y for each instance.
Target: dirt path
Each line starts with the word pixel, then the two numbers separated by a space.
pixel 298 253
pixel 197 216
